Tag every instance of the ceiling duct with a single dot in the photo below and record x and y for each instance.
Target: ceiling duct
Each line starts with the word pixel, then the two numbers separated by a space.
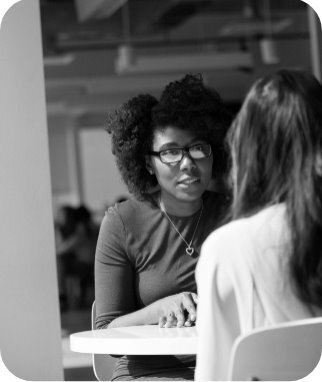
pixel 173 12
pixel 97 9
pixel 166 13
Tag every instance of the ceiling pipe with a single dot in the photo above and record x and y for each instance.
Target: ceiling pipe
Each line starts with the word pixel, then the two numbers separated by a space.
pixel 267 44
pixel 74 45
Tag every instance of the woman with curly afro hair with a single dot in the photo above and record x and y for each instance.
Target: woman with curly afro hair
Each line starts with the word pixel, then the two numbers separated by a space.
pixel 170 153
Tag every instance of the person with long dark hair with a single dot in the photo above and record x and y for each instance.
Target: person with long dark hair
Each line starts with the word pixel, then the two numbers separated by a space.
pixel 265 266
pixel 169 152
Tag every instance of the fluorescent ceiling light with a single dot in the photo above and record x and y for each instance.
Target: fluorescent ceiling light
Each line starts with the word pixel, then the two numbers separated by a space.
pixel 184 62
pixel 62 60
pixel 251 27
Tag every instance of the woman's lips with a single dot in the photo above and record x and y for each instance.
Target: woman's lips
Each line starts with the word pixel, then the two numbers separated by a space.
pixel 188 181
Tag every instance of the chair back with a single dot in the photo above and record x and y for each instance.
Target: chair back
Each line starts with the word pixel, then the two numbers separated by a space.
pixel 103 365
pixel 285 352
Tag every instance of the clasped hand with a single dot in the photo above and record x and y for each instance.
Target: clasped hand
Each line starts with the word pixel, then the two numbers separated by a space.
pixel 179 310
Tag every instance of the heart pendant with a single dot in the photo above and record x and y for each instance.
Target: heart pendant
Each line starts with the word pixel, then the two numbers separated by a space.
pixel 189 251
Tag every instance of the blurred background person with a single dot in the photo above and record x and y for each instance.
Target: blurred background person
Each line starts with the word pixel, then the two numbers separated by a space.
pixel 65 227
pixel 76 237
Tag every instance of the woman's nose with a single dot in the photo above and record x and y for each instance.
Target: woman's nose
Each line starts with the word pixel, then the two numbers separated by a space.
pixel 187 162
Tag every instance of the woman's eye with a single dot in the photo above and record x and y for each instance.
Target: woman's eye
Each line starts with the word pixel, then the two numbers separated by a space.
pixel 198 148
pixel 172 152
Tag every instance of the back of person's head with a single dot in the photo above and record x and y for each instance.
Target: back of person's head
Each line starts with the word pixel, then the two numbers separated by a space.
pixel 276 140
pixel 84 218
pixel 276 146
pixel 83 214
pixel 66 220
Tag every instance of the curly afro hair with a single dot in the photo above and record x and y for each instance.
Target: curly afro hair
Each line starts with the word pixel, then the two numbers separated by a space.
pixel 131 130
pixel 186 104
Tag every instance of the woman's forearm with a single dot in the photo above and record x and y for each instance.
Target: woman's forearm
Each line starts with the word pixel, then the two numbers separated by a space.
pixel 148 315
pixel 171 310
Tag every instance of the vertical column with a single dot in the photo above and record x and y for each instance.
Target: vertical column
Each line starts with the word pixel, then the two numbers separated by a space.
pixel 315 42
pixel 29 320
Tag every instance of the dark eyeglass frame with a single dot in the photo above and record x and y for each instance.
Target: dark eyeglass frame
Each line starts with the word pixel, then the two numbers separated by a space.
pixel 184 151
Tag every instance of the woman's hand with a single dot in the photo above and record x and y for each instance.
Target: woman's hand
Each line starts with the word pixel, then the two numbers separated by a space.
pixel 173 311
pixel 178 310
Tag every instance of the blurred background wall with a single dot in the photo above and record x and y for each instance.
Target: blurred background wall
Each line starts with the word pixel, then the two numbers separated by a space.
pixel 98 54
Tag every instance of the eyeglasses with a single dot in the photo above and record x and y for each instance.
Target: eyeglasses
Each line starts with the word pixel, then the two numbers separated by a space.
pixel 175 154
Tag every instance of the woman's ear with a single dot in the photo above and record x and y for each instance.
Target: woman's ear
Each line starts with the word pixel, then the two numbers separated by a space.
pixel 149 165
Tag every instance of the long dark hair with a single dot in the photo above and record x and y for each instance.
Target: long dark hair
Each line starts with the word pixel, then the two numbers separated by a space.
pixel 276 146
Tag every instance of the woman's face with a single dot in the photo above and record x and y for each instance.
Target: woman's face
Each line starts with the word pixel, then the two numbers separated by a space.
pixel 186 180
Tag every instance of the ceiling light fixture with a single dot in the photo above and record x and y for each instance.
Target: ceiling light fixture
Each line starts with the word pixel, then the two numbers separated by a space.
pixel 60 60
pixel 127 62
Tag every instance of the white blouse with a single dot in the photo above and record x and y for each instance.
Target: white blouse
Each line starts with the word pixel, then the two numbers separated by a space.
pixel 243 283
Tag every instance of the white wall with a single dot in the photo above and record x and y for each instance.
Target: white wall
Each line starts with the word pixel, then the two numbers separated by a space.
pixel 83 168
pixel 29 320
pixel 64 166
pixel 101 180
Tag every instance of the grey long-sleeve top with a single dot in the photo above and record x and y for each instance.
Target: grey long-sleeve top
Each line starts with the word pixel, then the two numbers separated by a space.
pixel 140 258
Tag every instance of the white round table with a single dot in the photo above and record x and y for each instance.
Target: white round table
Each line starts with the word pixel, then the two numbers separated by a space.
pixel 136 340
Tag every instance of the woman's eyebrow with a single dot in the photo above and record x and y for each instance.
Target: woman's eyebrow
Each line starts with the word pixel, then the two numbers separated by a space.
pixel 170 145
pixel 177 145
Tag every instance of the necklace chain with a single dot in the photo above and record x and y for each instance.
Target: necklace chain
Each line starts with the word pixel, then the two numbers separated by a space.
pixel 189 250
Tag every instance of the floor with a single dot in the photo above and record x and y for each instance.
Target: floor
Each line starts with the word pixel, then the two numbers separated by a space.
pixel 77 366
